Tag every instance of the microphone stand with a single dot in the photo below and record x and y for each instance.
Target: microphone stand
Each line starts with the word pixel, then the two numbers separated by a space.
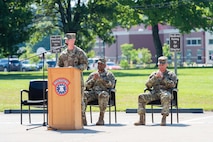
pixel 44 91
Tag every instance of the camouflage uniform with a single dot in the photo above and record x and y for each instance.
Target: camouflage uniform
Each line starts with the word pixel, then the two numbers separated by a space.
pixel 76 58
pixel 161 90
pixel 97 89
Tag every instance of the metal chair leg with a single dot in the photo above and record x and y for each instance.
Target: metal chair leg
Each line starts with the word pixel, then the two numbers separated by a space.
pixel 152 114
pixel 91 113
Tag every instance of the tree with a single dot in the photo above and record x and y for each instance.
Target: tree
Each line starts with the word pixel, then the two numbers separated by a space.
pixel 126 51
pixel 90 19
pixel 182 14
pixel 15 25
pixel 145 55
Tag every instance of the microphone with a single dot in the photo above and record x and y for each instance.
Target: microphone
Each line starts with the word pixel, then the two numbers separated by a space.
pixel 61 46
pixel 58 48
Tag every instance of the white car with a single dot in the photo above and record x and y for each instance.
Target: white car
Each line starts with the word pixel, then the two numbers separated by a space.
pixel 27 66
pixel 92 63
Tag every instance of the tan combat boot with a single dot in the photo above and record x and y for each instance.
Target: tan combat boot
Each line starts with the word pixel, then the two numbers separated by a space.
pixel 163 120
pixel 101 119
pixel 84 120
pixel 141 120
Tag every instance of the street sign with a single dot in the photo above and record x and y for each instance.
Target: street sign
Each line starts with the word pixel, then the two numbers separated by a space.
pixel 55 43
pixel 174 42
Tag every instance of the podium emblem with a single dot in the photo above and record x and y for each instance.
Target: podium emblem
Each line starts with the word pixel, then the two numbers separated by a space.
pixel 61 86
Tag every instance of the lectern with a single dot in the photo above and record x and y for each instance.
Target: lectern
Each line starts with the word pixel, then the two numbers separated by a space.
pixel 64 99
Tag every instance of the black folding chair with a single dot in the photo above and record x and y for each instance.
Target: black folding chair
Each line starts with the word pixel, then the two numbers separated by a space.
pixel 111 103
pixel 174 103
pixel 36 96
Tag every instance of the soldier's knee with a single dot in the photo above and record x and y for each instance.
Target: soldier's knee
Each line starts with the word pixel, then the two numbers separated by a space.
pixel 141 98
pixel 166 98
pixel 103 95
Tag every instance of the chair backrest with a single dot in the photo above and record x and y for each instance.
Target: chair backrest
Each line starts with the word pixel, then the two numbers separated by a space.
pixel 175 99
pixel 37 90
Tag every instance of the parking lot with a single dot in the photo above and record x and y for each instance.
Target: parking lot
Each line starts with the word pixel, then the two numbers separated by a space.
pixel 194 127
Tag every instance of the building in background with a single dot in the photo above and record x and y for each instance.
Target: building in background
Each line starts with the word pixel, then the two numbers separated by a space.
pixel 196 47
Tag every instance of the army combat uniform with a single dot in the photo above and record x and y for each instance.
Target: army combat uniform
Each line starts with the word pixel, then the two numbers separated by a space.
pixel 76 58
pixel 161 90
pixel 98 89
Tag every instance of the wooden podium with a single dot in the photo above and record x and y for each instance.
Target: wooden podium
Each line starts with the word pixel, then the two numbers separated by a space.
pixel 64 99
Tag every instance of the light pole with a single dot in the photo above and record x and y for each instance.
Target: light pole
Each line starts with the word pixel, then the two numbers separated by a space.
pixel 116 49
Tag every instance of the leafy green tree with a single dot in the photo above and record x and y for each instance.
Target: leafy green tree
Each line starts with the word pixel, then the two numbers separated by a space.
pixel 15 25
pixel 124 64
pixel 126 51
pixel 182 14
pixel 91 54
pixel 166 51
pixel 134 56
pixel 90 19
pixel 145 55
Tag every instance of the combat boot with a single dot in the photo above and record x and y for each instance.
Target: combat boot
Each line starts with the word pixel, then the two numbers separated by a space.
pixel 141 120
pixel 163 120
pixel 84 120
pixel 101 119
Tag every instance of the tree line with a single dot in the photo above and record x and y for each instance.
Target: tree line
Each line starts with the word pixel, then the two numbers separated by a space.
pixel 23 23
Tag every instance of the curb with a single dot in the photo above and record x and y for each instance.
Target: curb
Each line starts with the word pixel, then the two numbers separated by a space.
pixel 189 110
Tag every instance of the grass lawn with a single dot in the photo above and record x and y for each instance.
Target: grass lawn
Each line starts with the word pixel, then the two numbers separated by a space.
pixel 195 87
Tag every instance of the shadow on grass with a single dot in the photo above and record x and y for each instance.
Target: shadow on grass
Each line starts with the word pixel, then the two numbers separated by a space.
pixel 122 73
pixel 23 76
pixel 39 75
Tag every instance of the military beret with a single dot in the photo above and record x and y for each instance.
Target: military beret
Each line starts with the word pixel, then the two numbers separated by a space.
pixel 103 61
pixel 162 60
pixel 70 36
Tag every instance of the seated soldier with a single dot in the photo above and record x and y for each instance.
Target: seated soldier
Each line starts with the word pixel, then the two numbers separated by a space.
pixel 97 86
pixel 161 82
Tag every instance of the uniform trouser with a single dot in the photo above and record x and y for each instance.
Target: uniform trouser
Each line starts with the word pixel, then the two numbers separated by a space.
pixel 164 96
pixel 82 102
pixel 102 96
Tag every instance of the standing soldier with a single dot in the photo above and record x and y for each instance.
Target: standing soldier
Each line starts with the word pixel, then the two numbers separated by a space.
pixel 75 57
pixel 161 82
pixel 97 86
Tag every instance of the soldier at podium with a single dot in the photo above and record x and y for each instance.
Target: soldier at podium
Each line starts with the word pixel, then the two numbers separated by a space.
pixel 97 86
pixel 73 56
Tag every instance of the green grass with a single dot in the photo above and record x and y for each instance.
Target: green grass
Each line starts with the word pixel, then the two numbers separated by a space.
pixel 195 87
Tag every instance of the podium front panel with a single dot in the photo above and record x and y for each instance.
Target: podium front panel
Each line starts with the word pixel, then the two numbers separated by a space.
pixel 64 98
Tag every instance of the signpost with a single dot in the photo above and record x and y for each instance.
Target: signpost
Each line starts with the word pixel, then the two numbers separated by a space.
pixel 174 42
pixel 175 47
pixel 55 43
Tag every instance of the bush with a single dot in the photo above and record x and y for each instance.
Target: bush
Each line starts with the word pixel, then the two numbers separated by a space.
pixel 124 64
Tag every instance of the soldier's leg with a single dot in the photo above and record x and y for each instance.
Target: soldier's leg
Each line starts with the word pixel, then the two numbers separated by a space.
pixel 143 99
pixel 83 106
pixel 166 98
pixel 88 96
pixel 103 99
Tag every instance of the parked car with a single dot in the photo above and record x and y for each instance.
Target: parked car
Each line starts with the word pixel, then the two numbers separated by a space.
pixel 11 64
pixel 40 65
pixel 48 63
pixel 112 66
pixel 51 63
pixel 27 66
pixel 4 64
pixel 92 63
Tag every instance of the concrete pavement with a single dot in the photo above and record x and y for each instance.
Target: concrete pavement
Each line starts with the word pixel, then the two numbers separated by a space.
pixel 195 127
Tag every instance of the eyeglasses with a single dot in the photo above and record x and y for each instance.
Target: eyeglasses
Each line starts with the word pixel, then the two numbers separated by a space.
pixel 161 63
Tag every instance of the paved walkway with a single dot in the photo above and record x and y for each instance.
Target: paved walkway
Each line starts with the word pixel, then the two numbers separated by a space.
pixel 195 127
